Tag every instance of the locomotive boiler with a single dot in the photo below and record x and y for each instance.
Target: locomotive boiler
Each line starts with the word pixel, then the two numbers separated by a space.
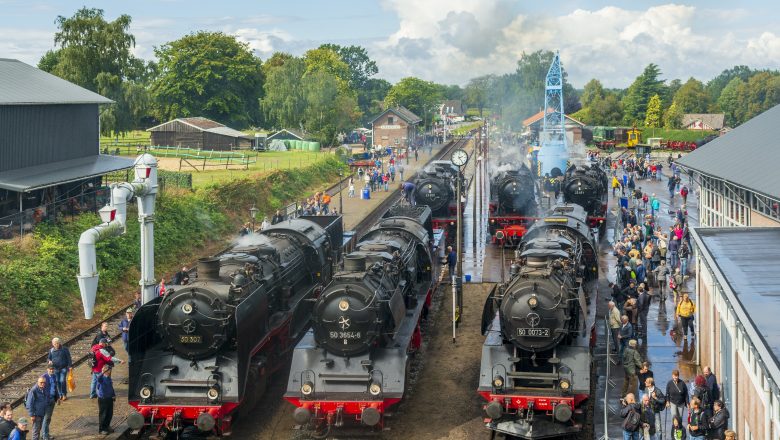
pixel 435 187
pixel 536 371
pixel 203 352
pixel 513 201
pixel 587 186
pixel 352 365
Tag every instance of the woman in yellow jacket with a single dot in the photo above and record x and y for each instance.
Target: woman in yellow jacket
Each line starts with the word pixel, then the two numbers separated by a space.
pixel 615 185
pixel 685 310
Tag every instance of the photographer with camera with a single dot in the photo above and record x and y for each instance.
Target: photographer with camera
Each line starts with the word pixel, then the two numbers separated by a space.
pixel 101 355
pixel 632 413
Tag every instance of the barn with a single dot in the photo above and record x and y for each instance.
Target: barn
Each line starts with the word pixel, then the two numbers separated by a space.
pixel 200 133
pixel 50 163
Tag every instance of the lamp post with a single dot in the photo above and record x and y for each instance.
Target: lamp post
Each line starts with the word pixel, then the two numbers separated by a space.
pixel 341 197
pixel 253 213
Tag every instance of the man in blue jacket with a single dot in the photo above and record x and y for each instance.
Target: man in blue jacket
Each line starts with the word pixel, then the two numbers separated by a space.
pixel 52 388
pixel 59 358
pixel 106 397
pixel 37 401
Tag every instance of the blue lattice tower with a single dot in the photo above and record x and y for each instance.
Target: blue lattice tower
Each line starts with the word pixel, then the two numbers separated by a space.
pixel 553 154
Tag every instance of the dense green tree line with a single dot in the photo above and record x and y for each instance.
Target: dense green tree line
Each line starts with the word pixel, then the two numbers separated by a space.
pixel 332 88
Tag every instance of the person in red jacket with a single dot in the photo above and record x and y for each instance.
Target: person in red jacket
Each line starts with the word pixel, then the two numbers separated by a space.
pixel 102 357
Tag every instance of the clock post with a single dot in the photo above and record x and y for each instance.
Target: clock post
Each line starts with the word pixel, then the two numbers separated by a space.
pixel 459 158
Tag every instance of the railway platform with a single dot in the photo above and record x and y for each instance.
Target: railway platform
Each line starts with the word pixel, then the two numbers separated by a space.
pixel 77 418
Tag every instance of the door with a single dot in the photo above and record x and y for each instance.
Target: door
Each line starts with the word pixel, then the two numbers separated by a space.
pixel 726 354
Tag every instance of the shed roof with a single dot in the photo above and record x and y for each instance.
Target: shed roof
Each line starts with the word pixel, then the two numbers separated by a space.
pixel 712 120
pixel 746 156
pixel 453 106
pixel 23 84
pixel 200 124
pixel 743 262
pixel 539 116
pixel 402 112
pixel 293 132
pixel 50 174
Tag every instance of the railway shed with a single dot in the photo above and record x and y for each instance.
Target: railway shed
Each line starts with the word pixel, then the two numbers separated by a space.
pixel 736 281
pixel 199 133
pixel 50 161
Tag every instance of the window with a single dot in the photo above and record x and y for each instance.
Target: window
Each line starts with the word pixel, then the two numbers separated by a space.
pixel 390 120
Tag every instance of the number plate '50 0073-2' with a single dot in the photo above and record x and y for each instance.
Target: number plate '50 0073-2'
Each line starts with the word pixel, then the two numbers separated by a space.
pixel 534 332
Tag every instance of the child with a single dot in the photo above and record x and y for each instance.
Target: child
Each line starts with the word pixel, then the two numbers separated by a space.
pixel 351 188
pixel 678 432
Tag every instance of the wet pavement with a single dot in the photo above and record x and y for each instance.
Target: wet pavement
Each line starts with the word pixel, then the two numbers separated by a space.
pixel 663 348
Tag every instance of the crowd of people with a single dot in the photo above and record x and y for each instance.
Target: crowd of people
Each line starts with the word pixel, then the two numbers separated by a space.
pixel 652 265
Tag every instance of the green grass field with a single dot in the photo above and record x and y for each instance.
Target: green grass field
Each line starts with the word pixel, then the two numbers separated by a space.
pixel 675 135
pixel 266 161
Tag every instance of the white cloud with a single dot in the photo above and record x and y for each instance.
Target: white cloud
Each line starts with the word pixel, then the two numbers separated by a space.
pixel 263 42
pixel 26 45
pixel 454 40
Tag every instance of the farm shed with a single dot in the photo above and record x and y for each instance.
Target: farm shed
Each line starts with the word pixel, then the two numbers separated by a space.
pixel 200 133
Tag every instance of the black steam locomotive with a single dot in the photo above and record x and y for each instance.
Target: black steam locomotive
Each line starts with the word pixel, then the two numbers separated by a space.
pixel 435 188
pixel 513 201
pixel 205 350
pixel 536 360
pixel 352 365
pixel 587 186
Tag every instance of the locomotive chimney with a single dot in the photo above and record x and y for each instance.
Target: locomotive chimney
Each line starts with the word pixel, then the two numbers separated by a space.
pixel 208 268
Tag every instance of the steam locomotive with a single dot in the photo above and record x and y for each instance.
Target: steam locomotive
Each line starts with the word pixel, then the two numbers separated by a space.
pixel 536 373
pixel 587 186
pixel 435 188
pixel 513 201
pixel 351 367
pixel 203 353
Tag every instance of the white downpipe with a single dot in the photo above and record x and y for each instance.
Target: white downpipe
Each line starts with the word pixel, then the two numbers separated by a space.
pixel 144 187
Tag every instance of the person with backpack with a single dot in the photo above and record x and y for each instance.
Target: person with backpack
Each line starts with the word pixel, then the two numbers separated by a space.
pixel 702 394
pixel 697 421
pixel 632 415
pixel 100 356
pixel 648 419
pixel 684 194
pixel 59 358
pixel 657 402
pixel 685 311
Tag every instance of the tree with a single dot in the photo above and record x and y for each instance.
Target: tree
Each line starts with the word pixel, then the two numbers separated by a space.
pixel 419 96
pixel 361 66
pixel 653 112
pixel 327 60
pixel 760 93
pixel 639 93
pixel 716 85
pixel 285 101
pixel 729 101
pixel 371 97
pixel 208 74
pixel 673 117
pixel 328 110
pixel 477 92
pixel 277 60
pixel 592 92
pixel 691 97
pixel 96 54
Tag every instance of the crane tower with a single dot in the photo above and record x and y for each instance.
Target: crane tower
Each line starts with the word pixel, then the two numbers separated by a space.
pixel 553 154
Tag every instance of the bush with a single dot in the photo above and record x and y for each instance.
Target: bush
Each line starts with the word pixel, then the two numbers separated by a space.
pixel 177 179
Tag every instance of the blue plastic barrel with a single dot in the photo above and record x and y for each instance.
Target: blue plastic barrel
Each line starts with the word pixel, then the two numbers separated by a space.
pixel 468 277
pixel 366 193
pixel 624 202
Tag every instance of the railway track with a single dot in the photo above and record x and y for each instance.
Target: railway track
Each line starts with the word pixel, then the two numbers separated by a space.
pixel 14 384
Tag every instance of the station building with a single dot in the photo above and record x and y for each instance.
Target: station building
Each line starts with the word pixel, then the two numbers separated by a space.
pixel 737 249
pixel 396 126
pixel 50 161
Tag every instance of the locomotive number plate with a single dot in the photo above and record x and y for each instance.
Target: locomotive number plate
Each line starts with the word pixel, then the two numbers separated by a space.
pixel 534 332
pixel 345 335
pixel 190 339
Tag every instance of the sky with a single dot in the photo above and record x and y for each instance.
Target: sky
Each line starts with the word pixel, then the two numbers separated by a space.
pixel 447 41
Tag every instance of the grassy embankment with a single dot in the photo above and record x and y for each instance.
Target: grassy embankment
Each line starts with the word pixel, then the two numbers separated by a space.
pixel 39 295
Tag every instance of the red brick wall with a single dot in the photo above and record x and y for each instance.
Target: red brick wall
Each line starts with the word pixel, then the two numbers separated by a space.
pixel 751 409
pixel 386 136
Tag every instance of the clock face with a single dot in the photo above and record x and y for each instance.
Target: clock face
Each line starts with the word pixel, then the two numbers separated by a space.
pixel 460 157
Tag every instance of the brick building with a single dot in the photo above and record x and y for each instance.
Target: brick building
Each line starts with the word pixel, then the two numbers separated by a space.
pixel 737 248
pixel 395 126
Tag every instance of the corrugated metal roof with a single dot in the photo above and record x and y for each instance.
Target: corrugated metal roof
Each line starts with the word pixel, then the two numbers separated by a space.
pixel 712 120
pixel 295 133
pixel 227 131
pixel 746 259
pixel 22 84
pixel 201 122
pixel 42 176
pixel 746 156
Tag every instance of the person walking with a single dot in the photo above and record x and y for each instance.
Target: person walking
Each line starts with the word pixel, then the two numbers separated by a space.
pixel 59 358
pixel 351 193
pixel 697 421
pixel 719 421
pixel 614 325
pixel 676 394
pixel 676 284
pixel 702 394
pixel 124 327
pixel 632 362
pixel 102 357
pixel 36 403
pixel 657 403
pixel 643 306
pixel 661 274
pixel 632 415
pixel 53 399
pixel 685 311
pixel 106 397
pixel 625 334
pixel 452 260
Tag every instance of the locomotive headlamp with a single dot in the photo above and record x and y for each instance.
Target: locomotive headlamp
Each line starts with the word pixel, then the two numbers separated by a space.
pixel 375 389
pixel 307 388
pixel 186 308
pixel 146 392
pixel 343 305
pixel 213 392
pixel 564 384
pixel 533 301
pixel 498 382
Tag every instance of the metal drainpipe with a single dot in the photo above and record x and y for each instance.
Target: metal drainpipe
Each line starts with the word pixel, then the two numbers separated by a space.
pixel 699 266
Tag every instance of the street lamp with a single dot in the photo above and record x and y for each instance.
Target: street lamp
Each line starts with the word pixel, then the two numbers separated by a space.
pixel 341 197
pixel 253 213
